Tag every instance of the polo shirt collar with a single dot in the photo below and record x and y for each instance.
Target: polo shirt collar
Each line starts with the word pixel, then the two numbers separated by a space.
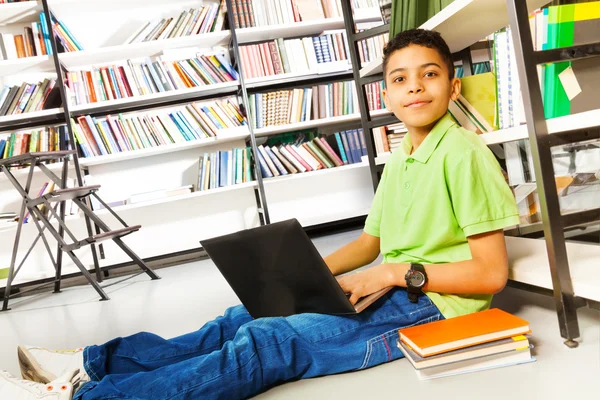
pixel 431 141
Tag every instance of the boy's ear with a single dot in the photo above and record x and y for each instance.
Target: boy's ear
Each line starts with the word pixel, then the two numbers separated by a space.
pixel 455 85
pixel 386 101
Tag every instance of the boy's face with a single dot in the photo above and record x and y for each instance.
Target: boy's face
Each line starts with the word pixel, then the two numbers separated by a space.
pixel 417 87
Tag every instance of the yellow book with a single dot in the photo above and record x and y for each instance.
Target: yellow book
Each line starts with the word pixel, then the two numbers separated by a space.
pixel 480 91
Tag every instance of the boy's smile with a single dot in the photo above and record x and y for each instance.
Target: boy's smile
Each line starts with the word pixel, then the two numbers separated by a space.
pixel 418 88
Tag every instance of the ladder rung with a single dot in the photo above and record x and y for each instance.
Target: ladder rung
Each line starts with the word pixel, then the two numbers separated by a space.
pixel 368 33
pixel 28 158
pixel 102 237
pixel 71 193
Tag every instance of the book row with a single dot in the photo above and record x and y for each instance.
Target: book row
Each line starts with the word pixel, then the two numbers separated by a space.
pixel 37 140
pixel 135 131
pixel 309 152
pixel 293 55
pixel 251 13
pixel 26 97
pixel 35 41
pixel 304 104
pixel 374 92
pixel 372 48
pixel 224 168
pixel 130 79
pixel 195 21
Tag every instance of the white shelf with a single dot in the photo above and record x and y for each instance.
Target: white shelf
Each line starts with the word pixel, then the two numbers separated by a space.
pixel 270 130
pixel 144 49
pixel 21 12
pixel 382 158
pixel 6 119
pixel 305 28
pixel 91 107
pixel 333 68
pixel 583 120
pixel 484 17
pixel 372 67
pixel 338 216
pixel 224 136
pixel 528 260
pixel 247 185
pixel 26 64
pixel 321 172
pixel 24 171
pixel 187 196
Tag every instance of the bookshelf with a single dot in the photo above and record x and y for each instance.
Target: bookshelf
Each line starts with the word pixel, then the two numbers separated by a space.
pixel 102 27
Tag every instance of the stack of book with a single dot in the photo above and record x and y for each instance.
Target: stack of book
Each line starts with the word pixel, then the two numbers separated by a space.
pixel 35 41
pixel 224 168
pixel 25 97
pixel 37 140
pixel 294 55
pixel 251 13
pixel 206 18
pixel 388 138
pixel 303 104
pixel 310 152
pixel 483 340
pixel 152 128
pixel 136 78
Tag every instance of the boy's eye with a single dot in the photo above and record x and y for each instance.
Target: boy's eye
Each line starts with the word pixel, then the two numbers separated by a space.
pixel 398 79
pixel 430 74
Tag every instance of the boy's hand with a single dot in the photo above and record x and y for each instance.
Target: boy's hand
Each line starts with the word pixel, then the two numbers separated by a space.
pixel 365 282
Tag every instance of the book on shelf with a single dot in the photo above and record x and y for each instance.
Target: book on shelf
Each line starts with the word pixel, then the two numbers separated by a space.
pixel 224 168
pixel 24 98
pixel 371 49
pixel 133 78
pixel 374 92
pixel 141 130
pixel 253 13
pixel 388 138
pixel 303 104
pixel 569 86
pixel 207 18
pixel 35 40
pixel 317 54
pixel 483 340
pixel 293 153
pixel 36 140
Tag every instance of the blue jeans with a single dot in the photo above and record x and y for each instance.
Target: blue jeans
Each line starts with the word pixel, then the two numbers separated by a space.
pixel 235 356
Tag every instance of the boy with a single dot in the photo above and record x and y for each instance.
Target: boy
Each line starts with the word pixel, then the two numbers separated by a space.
pixel 441 205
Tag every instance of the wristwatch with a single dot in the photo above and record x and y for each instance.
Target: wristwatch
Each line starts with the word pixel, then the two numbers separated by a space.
pixel 416 278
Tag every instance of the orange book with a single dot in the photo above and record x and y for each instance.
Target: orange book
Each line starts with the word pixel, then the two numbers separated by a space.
pixel 464 331
pixel 183 75
pixel 20 46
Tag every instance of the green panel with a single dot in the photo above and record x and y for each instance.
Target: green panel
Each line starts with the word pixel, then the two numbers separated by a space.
pixel 563 13
pixel 556 102
pixel 3 273
pixel 408 14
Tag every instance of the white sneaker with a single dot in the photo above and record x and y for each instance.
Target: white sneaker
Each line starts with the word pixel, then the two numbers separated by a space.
pixel 43 365
pixel 12 388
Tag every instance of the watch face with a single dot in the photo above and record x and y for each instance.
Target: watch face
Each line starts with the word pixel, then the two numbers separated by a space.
pixel 417 279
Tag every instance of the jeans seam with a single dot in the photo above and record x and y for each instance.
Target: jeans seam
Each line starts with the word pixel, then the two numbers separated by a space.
pixel 87 365
pixel 372 342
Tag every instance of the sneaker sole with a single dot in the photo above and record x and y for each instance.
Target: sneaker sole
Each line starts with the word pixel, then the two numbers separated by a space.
pixel 31 369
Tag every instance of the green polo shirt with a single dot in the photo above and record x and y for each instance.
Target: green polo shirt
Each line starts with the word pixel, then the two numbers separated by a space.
pixel 427 204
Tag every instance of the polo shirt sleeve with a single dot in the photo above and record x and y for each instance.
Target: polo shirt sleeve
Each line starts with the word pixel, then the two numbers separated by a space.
pixel 373 222
pixel 481 199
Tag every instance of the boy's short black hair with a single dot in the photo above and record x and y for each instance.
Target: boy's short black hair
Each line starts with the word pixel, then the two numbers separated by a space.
pixel 421 37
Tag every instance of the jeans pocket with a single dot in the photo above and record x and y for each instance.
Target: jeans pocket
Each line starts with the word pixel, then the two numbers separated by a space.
pixel 384 348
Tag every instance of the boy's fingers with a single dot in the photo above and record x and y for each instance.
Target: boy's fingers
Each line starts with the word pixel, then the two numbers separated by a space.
pixel 354 298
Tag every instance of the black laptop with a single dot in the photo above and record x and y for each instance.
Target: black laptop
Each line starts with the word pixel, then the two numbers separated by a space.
pixel 275 270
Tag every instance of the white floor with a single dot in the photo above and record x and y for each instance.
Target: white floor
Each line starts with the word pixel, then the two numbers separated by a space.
pixel 189 295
